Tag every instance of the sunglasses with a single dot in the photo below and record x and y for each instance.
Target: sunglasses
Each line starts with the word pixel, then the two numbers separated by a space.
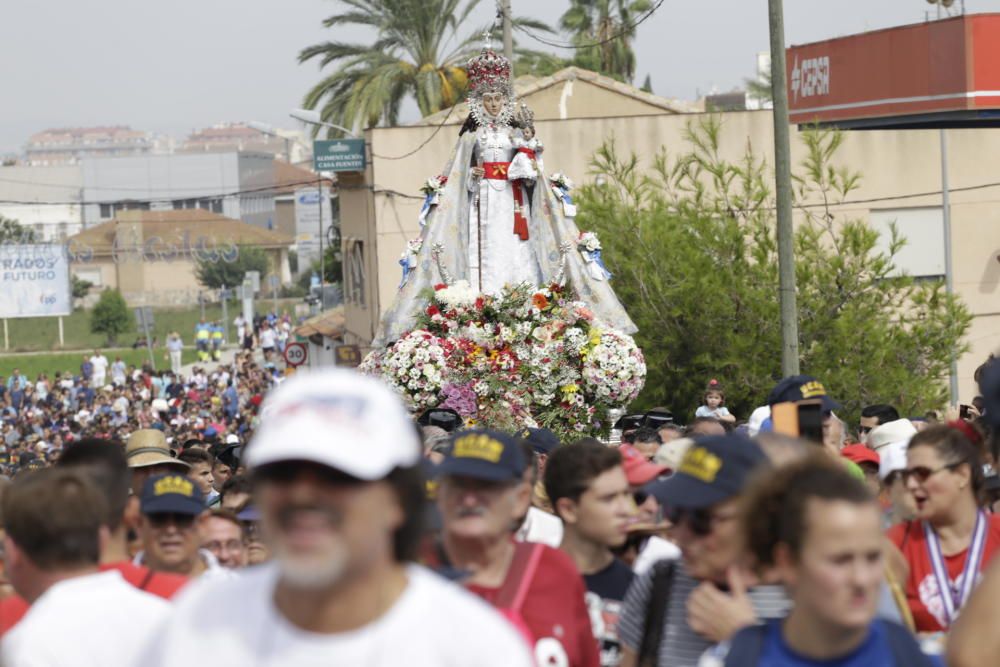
pixel 286 472
pixel 923 473
pixel 701 521
pixel 162 520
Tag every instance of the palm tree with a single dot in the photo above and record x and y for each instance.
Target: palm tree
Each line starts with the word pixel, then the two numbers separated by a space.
pixel 417 52
pixel 610 25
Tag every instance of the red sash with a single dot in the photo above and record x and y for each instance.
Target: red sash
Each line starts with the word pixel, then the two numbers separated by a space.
pixel 497 171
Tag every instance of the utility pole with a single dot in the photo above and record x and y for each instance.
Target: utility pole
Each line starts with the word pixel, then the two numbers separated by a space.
pixel 322 258
pixel 783 194
pixel 508 31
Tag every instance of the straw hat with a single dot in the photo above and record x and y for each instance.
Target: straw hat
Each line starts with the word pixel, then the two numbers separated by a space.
pixel 148 447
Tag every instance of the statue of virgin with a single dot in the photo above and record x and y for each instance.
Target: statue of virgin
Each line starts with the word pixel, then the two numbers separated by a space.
pixel 490 229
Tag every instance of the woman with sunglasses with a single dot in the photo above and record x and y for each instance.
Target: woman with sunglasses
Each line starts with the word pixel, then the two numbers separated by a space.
pixel 952 538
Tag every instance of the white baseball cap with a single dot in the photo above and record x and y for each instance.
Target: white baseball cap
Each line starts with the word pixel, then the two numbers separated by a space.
pixel 337 418
pixel 885 434
pixel 892 458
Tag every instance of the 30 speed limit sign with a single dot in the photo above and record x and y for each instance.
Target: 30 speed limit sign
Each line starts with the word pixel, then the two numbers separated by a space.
pixel 296 354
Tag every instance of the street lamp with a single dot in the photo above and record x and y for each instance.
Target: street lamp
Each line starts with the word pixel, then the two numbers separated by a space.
pixel 271 131
pixel 311 117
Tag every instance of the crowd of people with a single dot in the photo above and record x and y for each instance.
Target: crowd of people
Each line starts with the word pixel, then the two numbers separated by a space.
pixel 238 517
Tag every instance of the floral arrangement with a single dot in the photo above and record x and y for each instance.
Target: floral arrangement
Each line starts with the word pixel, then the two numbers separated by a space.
pixel 434 185
pixel 561 181
pixel 588 242
pixel 526 357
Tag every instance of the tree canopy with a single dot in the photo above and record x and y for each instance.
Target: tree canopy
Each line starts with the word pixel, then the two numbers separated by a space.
pixel 111 316
pixel 691 243
pixel 610 26
pixel 220 273
pixel 417 52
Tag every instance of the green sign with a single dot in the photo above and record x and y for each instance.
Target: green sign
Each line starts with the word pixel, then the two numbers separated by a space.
pixel 339 155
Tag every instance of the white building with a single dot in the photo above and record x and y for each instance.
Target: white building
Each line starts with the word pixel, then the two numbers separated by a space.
pixel 234 184
pixel 46 200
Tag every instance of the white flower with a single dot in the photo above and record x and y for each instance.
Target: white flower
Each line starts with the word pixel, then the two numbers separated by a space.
pixel 458 295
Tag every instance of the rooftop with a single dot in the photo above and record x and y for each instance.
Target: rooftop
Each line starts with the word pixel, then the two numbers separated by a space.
pixel 194 225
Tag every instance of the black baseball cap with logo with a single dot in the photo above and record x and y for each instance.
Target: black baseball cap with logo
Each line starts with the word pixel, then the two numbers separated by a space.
pixel 714 469
pixel 801 388
pixel 542 440
pixel 485 454
pixel 171 494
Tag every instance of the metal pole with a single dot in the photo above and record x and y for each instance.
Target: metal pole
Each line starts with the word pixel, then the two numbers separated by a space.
pixel 62 339
pixel 225 315
pixel 149 339
pixel 508 32
pixel 949 277
pixel 322 259
pixel 6 336
pixel 783 194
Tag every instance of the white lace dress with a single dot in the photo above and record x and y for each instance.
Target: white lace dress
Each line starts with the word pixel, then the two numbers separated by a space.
pixel 497 256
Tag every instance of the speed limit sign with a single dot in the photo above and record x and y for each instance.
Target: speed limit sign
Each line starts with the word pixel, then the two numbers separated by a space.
pixel 296 354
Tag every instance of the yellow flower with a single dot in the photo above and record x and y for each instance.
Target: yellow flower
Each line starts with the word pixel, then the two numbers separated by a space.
pixel 569 388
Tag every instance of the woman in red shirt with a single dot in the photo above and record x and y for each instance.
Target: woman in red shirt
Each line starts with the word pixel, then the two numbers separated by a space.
pixel 953 538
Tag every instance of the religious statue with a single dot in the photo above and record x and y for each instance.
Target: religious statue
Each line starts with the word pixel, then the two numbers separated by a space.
pixel 491 219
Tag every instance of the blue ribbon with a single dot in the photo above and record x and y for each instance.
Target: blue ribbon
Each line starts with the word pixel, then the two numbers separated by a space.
pixel 405 263
pixel 426 208
pixel 596 256
pixel 565 195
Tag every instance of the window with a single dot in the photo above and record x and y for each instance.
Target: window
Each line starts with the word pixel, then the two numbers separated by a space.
pixel 923 229
pixel 217 206
pixel 107 211
pixel 354 273
pixel 92 276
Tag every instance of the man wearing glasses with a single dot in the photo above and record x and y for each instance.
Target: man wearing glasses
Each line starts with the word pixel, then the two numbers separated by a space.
pixel 704 598
pixel 170 507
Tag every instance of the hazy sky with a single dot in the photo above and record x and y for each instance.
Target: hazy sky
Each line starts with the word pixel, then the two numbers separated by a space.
pixel 177 66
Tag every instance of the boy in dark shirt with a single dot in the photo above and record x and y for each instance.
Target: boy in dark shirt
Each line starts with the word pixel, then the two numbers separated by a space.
pixel 589 491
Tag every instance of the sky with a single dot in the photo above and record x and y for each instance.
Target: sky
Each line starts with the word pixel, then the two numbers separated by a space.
pixel 174 67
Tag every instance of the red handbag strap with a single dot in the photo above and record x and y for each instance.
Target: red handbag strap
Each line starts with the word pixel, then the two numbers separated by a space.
pixel 522 571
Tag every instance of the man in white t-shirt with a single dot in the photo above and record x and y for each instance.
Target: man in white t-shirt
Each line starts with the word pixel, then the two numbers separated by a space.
pixel 268 339
pixel 79 616
pixel 100 364
pixel 340 495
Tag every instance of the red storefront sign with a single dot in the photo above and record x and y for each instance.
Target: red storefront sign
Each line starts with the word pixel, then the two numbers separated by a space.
pixel 936 73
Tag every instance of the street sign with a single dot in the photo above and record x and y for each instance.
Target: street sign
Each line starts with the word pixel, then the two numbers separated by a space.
pixel 144 316
pixel 339 155
pixel 348 355
pixel 254 279
pixel 273 281
pixel 296 354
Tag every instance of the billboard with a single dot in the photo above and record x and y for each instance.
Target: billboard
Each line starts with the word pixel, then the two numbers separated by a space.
pixel 34 281
pixel 936 70
pixel 307 214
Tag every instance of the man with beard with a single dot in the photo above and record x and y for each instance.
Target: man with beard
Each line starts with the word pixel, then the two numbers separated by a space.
pixel 338 487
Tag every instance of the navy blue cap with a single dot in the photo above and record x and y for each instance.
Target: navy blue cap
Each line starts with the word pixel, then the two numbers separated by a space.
pixel 484 454
pixel 249 513
pixel 801 388
pixel 171 493
pixel 542 440
pixel 714 468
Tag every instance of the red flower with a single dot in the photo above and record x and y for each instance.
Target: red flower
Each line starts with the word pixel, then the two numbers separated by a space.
pixel 433 310
pixel 479 303
pixel 540 301
pixel 439 286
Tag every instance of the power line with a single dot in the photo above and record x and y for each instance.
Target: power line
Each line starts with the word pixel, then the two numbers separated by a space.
pixel 621 33
pixel 426 141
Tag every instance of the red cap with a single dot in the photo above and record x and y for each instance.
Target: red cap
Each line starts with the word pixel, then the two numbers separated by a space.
pixel 638 470
pixel 860 454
